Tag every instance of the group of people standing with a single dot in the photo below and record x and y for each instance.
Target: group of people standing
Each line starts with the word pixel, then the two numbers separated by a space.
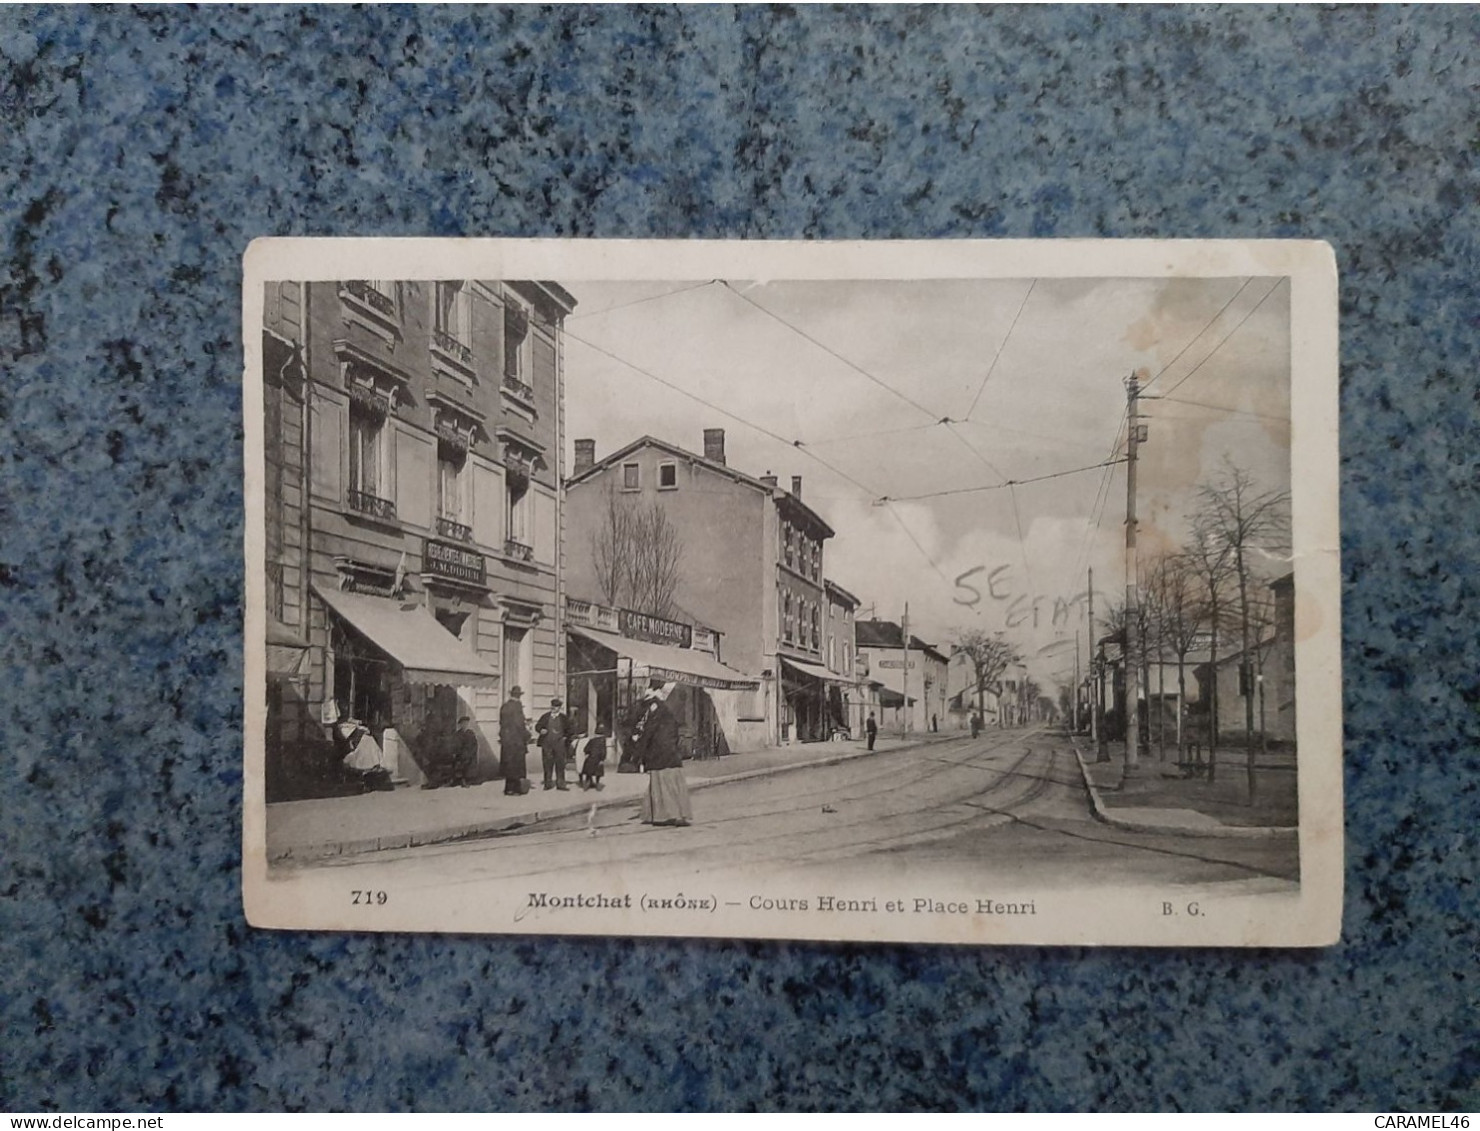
pixel 653 747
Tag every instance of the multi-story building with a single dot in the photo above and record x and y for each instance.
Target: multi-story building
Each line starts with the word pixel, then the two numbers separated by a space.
pixel 413 441
pixel 852 696
pixel 915 679
pixel 751 568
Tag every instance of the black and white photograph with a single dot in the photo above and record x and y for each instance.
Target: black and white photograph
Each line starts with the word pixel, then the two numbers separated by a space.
pixel 945 592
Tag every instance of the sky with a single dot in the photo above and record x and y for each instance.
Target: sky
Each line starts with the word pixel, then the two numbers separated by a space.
pixel 846 383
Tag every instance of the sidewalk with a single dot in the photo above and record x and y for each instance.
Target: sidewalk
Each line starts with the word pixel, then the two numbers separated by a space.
pixel 1150 801
pixel 300 831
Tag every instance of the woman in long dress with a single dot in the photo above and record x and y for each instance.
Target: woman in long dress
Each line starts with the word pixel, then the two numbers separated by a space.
pixel 667 799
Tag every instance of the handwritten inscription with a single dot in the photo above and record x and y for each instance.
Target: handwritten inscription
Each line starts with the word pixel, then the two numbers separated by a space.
pixel 1022 608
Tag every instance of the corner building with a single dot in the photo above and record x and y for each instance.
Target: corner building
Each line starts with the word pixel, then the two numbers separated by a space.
pixel 413 436
pixel 752 570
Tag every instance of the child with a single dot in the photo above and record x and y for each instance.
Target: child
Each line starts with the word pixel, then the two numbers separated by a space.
pixel 593 766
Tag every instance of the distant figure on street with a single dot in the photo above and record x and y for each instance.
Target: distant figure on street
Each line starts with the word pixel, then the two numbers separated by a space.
pixel 871 729
pixel 976 724
pixel 593 761
pixel 934 725
pixel 553 728
pixel 667 799
pixel 513 742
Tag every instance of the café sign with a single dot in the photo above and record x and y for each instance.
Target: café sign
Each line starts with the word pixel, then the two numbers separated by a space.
pixel 444 560
pixel 655 630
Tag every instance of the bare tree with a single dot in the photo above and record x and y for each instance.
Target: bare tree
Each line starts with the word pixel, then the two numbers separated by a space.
pixel 991 654
pixel 655 562
pixel 1244 520
pixel 1211 562
pixel 1182 620
pixel 611 547
pixel 638 556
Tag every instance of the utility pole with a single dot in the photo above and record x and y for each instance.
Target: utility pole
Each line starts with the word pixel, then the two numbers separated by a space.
pixel 1074 703
pixel 1132 586
pixel 906 676
pixel 1097 666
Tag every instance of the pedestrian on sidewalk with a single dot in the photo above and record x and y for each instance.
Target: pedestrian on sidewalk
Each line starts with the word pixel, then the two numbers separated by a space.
pixel 667 799
pixel 871 729
pixel 553 729
pixel 593 763
pixel 513 742
pixel 462 749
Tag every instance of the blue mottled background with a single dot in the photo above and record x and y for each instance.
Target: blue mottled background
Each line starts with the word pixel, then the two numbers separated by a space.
pixel 141 150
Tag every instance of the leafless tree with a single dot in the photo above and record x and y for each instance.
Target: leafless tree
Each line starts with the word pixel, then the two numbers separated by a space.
pixel 638 556
pixel 1244 520
pixel 1183 613
pixel 1212 564
pixel 991 654
pixel 655 563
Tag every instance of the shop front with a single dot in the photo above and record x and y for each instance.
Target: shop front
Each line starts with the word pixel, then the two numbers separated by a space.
pixel 398 679
pixel 609 672
pixel 817 702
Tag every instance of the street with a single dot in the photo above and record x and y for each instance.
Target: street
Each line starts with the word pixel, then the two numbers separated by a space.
pixel 1008 807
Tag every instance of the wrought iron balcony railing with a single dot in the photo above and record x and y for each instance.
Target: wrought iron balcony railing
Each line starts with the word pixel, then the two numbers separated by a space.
pixel 371 297
pixel 366 503
pixel 519 388
pixel 451 528
pixel 452 347
pixel 518 551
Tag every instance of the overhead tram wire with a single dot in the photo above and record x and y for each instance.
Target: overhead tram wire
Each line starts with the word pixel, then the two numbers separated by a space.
pixel 1000 347
pixel 935 416
pixel 1225 408
pixel 868 492
pixel 884 500
pixel 1196 337
pixel 1102 497
pixel 640 301
pixel 1224 339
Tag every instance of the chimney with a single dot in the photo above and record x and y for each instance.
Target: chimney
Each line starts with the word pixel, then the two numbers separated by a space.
pixel 714 445
pixel 796 486
pixel 585 456
pixel 768 479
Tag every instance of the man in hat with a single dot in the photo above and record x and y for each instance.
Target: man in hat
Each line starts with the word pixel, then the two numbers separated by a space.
pixel 462 752
pixel 553 729
pixel 513 742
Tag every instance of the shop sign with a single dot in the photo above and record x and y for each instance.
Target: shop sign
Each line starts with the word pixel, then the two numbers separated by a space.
pixel 895 664
pixel 655 630
pixel 443 560
pixel 713 683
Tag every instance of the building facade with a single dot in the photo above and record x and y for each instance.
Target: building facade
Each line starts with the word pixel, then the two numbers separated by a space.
pixel 413 444
pixel 915 680
pixel 752 569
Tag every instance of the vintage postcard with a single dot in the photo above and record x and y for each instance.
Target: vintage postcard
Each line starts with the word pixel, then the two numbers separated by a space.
pixel 943 592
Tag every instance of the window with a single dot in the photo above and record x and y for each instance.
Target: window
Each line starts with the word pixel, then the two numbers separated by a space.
pixel 369 483
pixel 791 552
pixel 847 658
pixel 788 630
pixel 667 476
pixel 631 476
pixel 816 627
pixel 516 342
pixel 452 482
pixel 452 320
pixel 517 518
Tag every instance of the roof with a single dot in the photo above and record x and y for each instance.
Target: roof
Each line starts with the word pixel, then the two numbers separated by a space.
pixel 773 490
pixel 887 634
pixel 411 638
pixel 833 587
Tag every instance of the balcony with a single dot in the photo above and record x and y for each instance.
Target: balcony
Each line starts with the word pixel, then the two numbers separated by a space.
pixel 373 505
pixel 453 348
pixel 374 299
pixel 518 388
pixel 451 528
pixel 518 551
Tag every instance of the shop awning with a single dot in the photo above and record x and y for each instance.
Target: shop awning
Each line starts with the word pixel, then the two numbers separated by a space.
pixel 678 665
pixel 411 638
pixel 891 698
pixel 816 671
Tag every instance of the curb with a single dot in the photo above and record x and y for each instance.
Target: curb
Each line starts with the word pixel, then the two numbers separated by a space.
pixel 1237 832
pixel 491 826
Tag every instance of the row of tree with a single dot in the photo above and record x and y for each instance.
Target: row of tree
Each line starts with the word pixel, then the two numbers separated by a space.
pixel 1212 593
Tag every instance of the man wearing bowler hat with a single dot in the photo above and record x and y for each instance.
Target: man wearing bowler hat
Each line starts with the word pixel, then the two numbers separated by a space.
pixel 513 742
pixel 553 729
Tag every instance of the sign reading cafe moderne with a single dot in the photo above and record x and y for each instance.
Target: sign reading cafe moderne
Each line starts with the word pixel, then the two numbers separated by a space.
pixel 443 560
pixel 655 630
